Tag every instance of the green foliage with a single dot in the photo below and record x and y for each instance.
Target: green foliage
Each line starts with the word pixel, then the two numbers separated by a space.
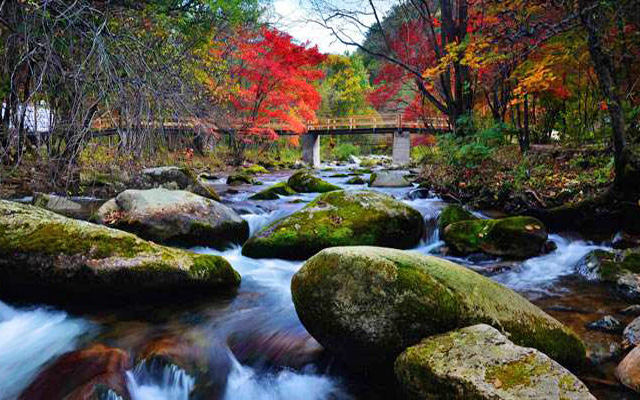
pixel 471 150
pixel 345 87
pixel 343 150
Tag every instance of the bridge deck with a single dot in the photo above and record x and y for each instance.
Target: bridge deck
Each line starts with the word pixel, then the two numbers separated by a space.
pixel 358 125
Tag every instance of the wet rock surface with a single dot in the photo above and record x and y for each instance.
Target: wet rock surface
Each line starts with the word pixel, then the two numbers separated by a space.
pixel 478 362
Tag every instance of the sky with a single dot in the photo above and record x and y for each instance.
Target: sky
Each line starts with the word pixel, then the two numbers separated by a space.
pixel 294 17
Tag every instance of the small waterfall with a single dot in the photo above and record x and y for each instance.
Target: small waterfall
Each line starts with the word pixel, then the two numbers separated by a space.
pixel 159 382
pixel 536 274
pixel 28 340
pixel 244 383
pixel 259 221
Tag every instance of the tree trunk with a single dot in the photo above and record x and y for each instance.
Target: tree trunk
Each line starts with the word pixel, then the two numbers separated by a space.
pixel 627 180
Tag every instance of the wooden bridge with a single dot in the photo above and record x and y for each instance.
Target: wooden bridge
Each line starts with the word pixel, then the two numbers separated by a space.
pixel 396 124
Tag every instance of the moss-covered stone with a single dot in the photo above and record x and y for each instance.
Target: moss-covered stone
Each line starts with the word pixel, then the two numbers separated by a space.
pixel 367 304
pixel 356 180
pixel 239 179
pixel 254 170
pixel 173 177
pixel 514 237
pixel 389 179
pixel 452 214
pixel 274 192
pixel 43 251
pixel 478 362
pixel 305 182
pixel 620 268
pixel 339 218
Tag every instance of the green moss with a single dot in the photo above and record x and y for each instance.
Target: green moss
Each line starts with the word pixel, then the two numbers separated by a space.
pixel 452 214
pixel 339 176
pixel 515 237
pixel 516 373
pixel 210 268
pixel 274 192
pixel 305 182
pixel 239 179
pixel 254 170
pixel 339 219
pixel 356 180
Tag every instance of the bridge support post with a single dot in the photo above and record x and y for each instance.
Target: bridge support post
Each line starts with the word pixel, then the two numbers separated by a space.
pixel 311 149
pixel 401 147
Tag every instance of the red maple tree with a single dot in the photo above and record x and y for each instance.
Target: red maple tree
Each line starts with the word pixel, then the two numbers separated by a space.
pixel 274 86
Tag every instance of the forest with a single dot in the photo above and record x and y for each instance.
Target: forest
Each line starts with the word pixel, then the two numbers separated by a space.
pixel 415 199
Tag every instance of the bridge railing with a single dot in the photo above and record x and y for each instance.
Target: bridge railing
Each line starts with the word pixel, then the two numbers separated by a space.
pixel 361 122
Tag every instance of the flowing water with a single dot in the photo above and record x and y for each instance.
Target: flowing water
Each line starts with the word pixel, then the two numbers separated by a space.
pixel 252 345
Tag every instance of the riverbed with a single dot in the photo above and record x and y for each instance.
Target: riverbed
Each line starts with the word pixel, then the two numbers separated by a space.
pixel 251 345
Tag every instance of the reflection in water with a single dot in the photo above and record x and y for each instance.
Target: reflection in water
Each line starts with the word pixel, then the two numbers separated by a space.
pixel 28 340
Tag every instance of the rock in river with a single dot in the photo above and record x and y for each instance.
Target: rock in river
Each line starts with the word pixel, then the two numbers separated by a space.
pixel 478 362
pixel 174 216
pixel 389 179
pixel 514 237
pixel 79 208
pixel 305 182
pixel 43 253
pixel 84 374
pixel 620 268
pixel 452 214
pixel 173 177
pixel 274 192
pixel 339 218
pixel 628 371
pixel 367 304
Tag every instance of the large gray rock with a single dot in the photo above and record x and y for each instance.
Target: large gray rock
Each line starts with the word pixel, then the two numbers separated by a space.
pixel 79 208
pixel 619 268
pixel 478 362
pixel 367 304
pixel 339 218
pixel 172 177
pixel 389 179
pixel 174 216
pixel 43 253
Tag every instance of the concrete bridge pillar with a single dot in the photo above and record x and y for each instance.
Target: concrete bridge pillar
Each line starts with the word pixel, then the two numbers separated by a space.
pixel 311 149
pixel 401 148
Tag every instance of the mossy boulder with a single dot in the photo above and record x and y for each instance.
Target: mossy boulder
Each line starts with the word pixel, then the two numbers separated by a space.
pixel 174 216
pixel 339 218
pixel 367 304
pixel 620 268
pixel 274 192
pixel 240 179
pixel 45 253
pixel 479 362
pixel 254 170
pixel 452 214
pixel 173 177
pixel 306 182
pixel 514 237
pixel 356 180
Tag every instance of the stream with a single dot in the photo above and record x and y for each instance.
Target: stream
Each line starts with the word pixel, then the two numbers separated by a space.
pixel 252 345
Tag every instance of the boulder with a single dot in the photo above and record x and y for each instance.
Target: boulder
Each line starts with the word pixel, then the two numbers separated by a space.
pixel 479 362
pixel 389 179
pixel 84 374
pixel 79 208
pixel 619 268
pixel 174 178
pixel 254 170
pixel 628 371
pixel 240 179
pixel 631 333
pixel 514 237
pixel 452 214
pixel 305 182
pixel 367 304
pixel 274 192
pixel 174 216
pixel 339 218
pixel 43 253
pixel 607 324
pixel 356 180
